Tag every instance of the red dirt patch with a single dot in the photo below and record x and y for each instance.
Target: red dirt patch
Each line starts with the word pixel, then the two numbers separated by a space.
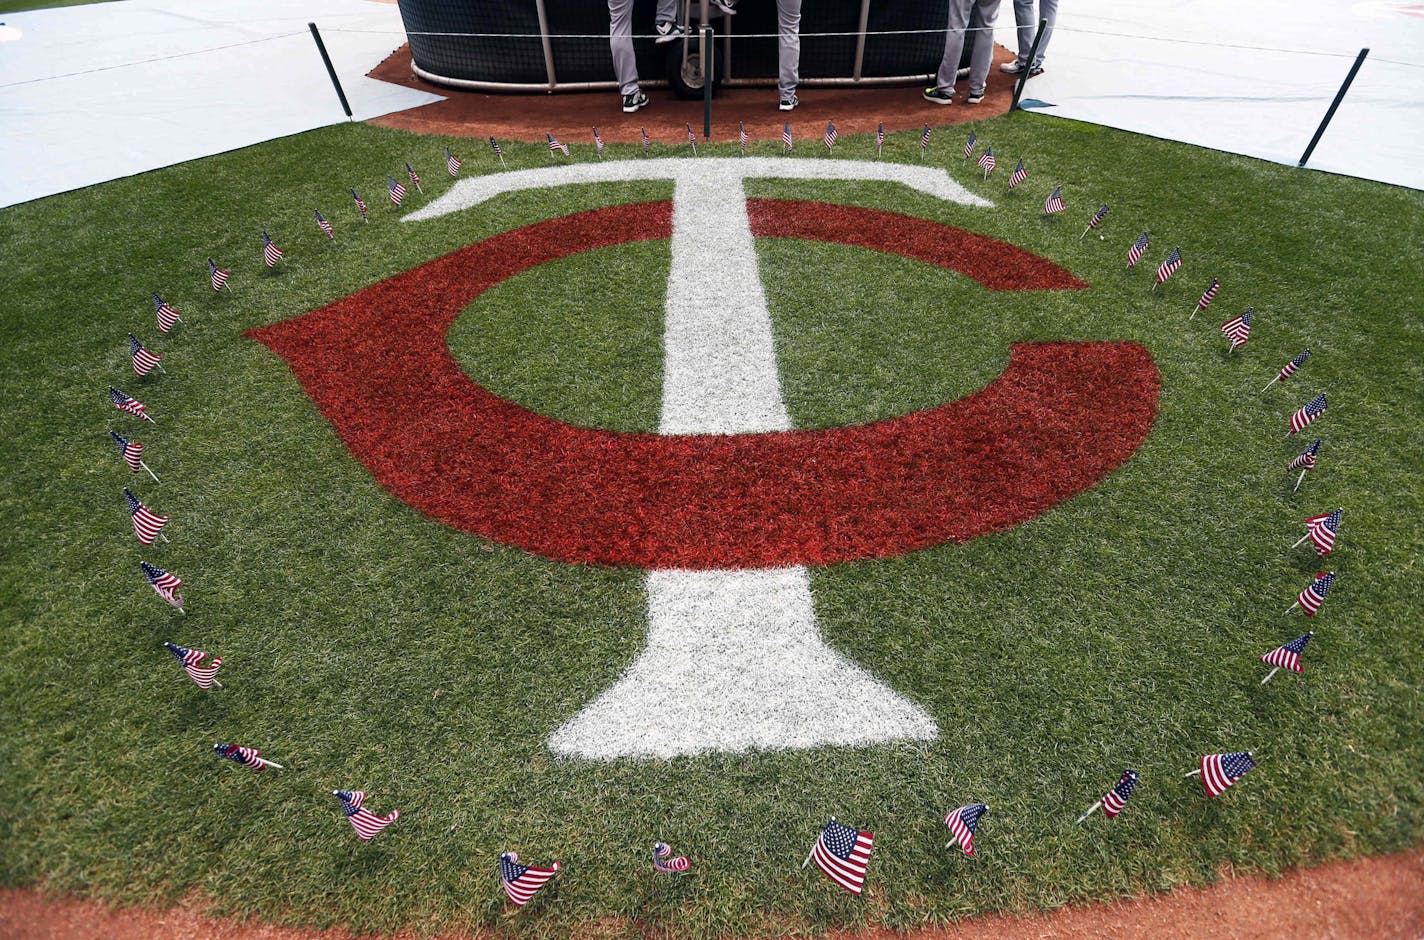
pixel 1058 420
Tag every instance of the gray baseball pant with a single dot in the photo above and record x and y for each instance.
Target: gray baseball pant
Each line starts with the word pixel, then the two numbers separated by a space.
pixel 983 54
pixel 620 39
pixel 1028 25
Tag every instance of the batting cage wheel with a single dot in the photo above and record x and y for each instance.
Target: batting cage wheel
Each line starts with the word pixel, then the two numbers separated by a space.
pixel 684 70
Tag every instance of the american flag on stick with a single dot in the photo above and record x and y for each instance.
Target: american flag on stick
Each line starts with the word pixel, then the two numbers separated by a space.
pixel 133 454
pixel 1219 771
pixel 271 254
pixel 1304 462
pixel 494 145
pixel 663 860
pixel 1206 298
pixel 1018 175
pixel 396 190
pixel 1054 202
pixel 325 226
pixel 786 136
pixel 692 140
pixel 1116 798
pixel 360 206
pixel 1307 413
pixel 132 405
pixel 366 823
pixel 1310 599
pixel 962 824
pixel 414 177
pixel 143 360
pixel 924 141
pixel 646 142
pixel 598 143
pixel 216 275
pixel 742 137
pixel 147 524
pixel 521 882
pixel 1322 531
pixel 986 161
pixel 192 662
pixel 1096 220
pixel 1238 329
pixel 167 316
pixel 968 144
pixel 556 147
pixel 842 853
pixel 879 140
pixel 1168 267
pixel 249 757
pixel 1288 369
pixel 1134 254
pixel 164 584
pixel 452 163
pixel 1286 657
pixel 831 136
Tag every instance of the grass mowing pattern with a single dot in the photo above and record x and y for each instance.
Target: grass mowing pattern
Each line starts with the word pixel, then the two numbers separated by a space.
pixel 367 647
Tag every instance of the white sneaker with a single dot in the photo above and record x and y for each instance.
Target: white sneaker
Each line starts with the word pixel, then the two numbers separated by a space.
pixel 1012 68
pixel 667 32
pixel 726 6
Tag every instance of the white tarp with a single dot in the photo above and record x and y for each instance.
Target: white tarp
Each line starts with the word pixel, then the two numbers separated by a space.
pixel 1200 72
pixel 93 93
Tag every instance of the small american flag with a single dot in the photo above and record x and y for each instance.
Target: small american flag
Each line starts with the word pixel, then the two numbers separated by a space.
pixel 786 136
pixel 325 226
pixel 1306 460
pixel 986 161
pixel 924 141
pixel 167 316
pixel 452 163
pixel 147 523
pixel 246 756
pixel 963 822
pixel 360 206
pixel 831 136
pixel 1238 329
pixel 192 661
pixel 270 252
pixel 1054 202
pixel 396 190
pixel 1322 531
pixel 968 144
pixel 366 823
pixel 646 142
pixel 216 275
pixel 843 852
pixel 662 860
pixel 692 140
pixel 132 451
pixel 494 145
pixel 163 583
pixel 143 360
pixel 556 147
pixel 1018 175
pixel 742 136
pixel 879 140
pixel 1134 254
pixel 124 403
pixel 1314 594
pixel 1308 413
pixel 414 177
pixel 1220 771
pixel 1118 796
pixel 1289 368
pixel 598 143
pixel 1288 656
pixel 1169 265
pixel 1098 217
pixel 521 882
pixel 1208 295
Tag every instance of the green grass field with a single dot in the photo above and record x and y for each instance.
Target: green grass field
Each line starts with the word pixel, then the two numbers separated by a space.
pixel 367 647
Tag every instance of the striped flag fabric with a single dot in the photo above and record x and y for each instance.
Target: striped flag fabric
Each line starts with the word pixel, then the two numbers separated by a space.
pixel 192 662
pixel 924 141
pixel 598 143
pixel 742 137
pixel 325 226
pixel 414 177
pixel 646 142
pixel 396 190
pixel 452 163
pixel 1238 329
pixel 132 405
pixel 165 585
pixel 1220 771
pixel 522 882
pixel 366 823
pixel 831 136
pixel 146 523
pixel 167 316
pixel 1134 254
pixel 216 275
pixel 1054 202
pixel 1208 295
pixel 879 140
pixel 1306 459
pixel 986 161
pixel 494 145
pixel 1288 656
pixel 1307 413
pixel 692 140
pixel 360 207
pixel 663 860
pixel 143 360
pixel 962 824
pixel 1018 175
pixel 1098 216
pixel 132 451
pixel 1289 368
pixel 1169 265
pixel 786 137
pixel 246 756
pixel 968 145
pixel 843 853
pixel 270 252
pixel 1323 531
pixel 1313 596
pixel 556 147
pixel 1117 797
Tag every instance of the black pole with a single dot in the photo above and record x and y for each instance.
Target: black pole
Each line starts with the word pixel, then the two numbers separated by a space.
pixel 1339 96
pixel 1028 66
pixel 330 69
pixel 707 73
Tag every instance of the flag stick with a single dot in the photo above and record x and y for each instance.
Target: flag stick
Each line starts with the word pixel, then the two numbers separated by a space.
pixel 1154 287
pixel 1298 479
pixel 150 472
pixel 808 856
pixel 162 536
pixel 1088 813
pixel 182 611
pixel 161 369
pixel 501 160
pixel 1293 607
pixel 1302 539
pixel 1267 388
pixel 220 685
pixel 1194 773
pixel 1195 311
pixel 148 419
pixel 1085 231
pixel 1269 674
pixel 267 763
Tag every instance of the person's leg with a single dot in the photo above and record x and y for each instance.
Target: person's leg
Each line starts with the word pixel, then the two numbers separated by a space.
pixel 953 44
pixel 620 43
pixel 983 55
pixel 1048 10
pixel 788 46
pixel 1027 25
pixel 667 11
